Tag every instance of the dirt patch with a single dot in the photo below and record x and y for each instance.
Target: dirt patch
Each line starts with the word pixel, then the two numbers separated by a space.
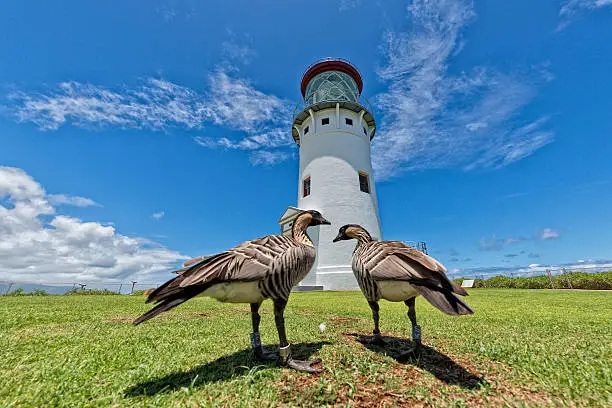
pixel 432 379
pixel 200 314
pixel 346 319
pixel 129 319
pixel 310 313
pixel 414 391
pixel 372 395
pixel 45 330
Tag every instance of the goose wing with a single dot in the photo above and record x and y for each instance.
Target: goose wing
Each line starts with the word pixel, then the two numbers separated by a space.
pixel 251 260
pixel 393 260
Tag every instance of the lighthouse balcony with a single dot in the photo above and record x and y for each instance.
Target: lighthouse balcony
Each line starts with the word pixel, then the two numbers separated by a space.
pixel 302 110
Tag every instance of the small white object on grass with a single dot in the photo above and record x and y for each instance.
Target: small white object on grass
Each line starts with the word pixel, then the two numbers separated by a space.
pixel 322 327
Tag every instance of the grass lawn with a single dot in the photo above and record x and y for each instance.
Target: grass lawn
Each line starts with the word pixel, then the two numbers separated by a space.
pixel 520 348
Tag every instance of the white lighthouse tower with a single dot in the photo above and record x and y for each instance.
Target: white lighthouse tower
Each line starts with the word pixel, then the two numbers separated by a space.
pixel 333 127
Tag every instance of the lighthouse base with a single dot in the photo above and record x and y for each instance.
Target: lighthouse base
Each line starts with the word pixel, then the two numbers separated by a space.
pixel 336 278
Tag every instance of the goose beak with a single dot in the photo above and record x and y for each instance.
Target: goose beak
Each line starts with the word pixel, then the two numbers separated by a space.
pixel 321 221
pixel 340 237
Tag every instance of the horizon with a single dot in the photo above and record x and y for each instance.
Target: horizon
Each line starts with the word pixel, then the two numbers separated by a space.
pixel 135 138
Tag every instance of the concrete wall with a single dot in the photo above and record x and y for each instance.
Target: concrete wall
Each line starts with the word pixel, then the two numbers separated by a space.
pixel 332 156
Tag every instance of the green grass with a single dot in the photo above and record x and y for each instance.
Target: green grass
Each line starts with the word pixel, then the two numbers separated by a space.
pixel 521 348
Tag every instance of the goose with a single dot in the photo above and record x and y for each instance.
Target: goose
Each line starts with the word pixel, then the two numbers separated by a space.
pixel 259 269
pixel 396 272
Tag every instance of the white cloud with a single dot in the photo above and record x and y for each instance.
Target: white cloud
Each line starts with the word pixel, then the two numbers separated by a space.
pixel 267 139
pixel 534 265
pixel 171 14
pixel 491 244
pixel 158 215
pixel 496 244
pixel 168 13
pixel 156 105
pixel 60 199
pixel 238 50
pixel 268 158
pixel 432 119
pixel 548 233
pixel 572 9
pixel 263 120
pixel 38 245
pixel 509 241
pixel 348 4
pixel 237 104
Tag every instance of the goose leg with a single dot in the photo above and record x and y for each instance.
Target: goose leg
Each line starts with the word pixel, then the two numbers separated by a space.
pixel 377 338
pixel 416 329
pixel 285 348
pixel 258 350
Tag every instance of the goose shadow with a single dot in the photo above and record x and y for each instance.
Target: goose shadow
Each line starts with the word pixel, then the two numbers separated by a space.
pixel 223 368
pixel 438 364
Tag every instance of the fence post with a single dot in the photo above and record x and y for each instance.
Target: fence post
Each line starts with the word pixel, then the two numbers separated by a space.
pixel 552 284
pixel 120 286
pixel 567 279
pixel 133 284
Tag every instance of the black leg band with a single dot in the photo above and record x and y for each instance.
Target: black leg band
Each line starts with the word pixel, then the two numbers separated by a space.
pixel 255 341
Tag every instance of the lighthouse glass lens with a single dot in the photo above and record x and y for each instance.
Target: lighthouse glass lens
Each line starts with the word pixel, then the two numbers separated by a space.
pixel 331 86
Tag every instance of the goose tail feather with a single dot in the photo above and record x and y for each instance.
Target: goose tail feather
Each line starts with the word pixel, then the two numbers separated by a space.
pixel 162 307
pixel 459 290
pixel 169 296
pixel 444 301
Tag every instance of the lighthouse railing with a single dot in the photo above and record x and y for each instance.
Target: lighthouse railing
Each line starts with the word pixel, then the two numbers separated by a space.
pixel 303 105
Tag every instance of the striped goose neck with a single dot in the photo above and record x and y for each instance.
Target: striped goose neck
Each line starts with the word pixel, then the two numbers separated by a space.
pixel 298 231
pixel 362 237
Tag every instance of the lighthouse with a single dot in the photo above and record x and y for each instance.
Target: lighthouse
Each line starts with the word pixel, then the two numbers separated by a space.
pixel 333 127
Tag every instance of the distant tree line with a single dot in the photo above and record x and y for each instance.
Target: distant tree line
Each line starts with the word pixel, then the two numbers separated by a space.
pixel 72 292
pixel 570 280
pixel 21 292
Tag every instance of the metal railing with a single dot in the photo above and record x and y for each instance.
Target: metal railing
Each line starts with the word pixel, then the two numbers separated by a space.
pixel 419 245
pixel 363 102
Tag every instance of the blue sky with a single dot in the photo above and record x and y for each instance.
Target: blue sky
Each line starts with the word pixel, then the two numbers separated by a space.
pixel 134 136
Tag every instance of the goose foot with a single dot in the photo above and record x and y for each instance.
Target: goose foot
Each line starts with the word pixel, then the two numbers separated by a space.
pixel 298 365
pixel 259 351
pixel 305 365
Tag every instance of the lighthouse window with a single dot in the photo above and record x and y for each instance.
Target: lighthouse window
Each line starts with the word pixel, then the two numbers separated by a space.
pixel 364 182
pixel 325 121
pixel 306 186
pixel 306 130
pixel 287 226
pixel 348 121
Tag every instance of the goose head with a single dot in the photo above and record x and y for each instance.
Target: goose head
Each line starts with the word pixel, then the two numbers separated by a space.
pixel 312 218
pixel 351 231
